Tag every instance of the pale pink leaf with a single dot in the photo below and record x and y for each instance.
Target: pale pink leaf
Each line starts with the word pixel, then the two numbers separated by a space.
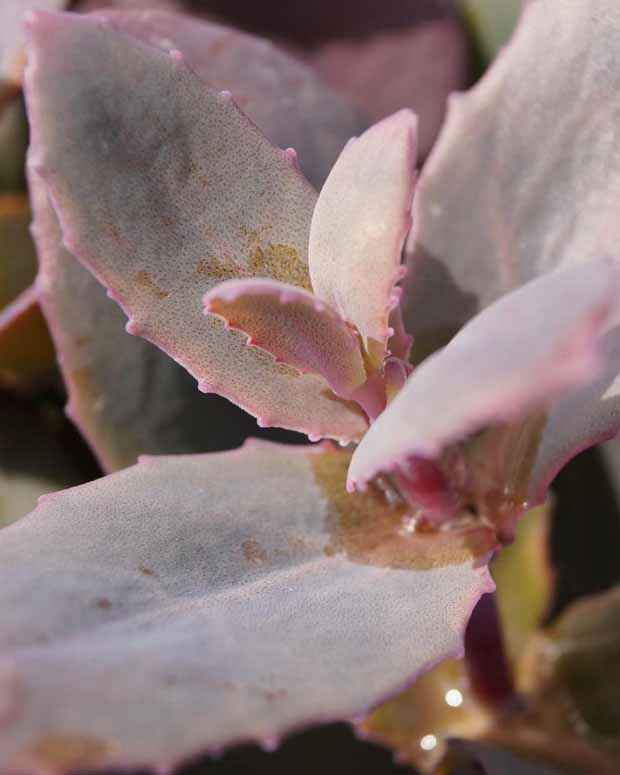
pixel 281 95
pixel 581 419
pixel 515 357
pixel 526 171
pixel 125 395
pixel 294 326
pixel 189 603
pixel 359 226
pixel 163 209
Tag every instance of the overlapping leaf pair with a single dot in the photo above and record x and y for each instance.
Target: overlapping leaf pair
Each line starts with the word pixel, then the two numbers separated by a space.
pixel 243 590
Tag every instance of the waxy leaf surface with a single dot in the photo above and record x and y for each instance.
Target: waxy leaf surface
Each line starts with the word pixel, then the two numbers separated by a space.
pixel 187 603
pixel 294 326
pixel 282 96
pixel 359 225
pixel 526 172
pixel 125 395
pixel 188 194
pixel 515 357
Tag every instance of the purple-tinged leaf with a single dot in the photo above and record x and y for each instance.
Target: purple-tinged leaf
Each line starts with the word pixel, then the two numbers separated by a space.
pixel 526 172
pixel 583 418
pixel 183 202
pixel 18 262
pixel 188 603
pixel 417 66
pixel 360 222
pixel 509 362
pixel 282 96
pixel 27 357
pixel 125 395
pixel 12 14
pixel 295 327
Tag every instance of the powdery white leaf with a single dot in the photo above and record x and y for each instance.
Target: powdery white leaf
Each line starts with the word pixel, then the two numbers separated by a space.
pixel 160 621
pixel 183 201
pixel 526 172
pixel 295 327
pixel 359 225
pixel 284 97
pixel 125 395
pixel 512 359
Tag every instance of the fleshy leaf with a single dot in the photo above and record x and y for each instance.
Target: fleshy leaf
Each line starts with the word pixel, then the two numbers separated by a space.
pixel 188 603
pixel 443 704
pixel 281 95
pixel 27 357
pixel 509 191
pixel 581 419
pixel 12 14
pixel 513 359
pixel 197 197
pixel 359 225
pixel 125 395
pixel 294 326
pixel 18 261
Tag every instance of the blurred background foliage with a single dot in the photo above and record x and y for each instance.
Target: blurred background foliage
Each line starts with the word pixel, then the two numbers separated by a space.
pixel 557 602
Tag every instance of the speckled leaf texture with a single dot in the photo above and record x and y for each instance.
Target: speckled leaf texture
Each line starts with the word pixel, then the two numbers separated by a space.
pixel 359 225
pixel 282 96
pixel 293 325
pixel 143 623
pixel 194 197
pixel 525 177
pixel 126 396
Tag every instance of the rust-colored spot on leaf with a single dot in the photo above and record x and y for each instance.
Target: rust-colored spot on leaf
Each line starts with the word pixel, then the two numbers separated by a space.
pixel 374 528
pixel 254 552
pixel 281 262
pixel 202 266
pixel 146 571
pixel 145 280
pixel 65 752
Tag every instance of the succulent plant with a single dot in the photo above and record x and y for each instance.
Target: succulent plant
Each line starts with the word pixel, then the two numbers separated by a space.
pixel 194 601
